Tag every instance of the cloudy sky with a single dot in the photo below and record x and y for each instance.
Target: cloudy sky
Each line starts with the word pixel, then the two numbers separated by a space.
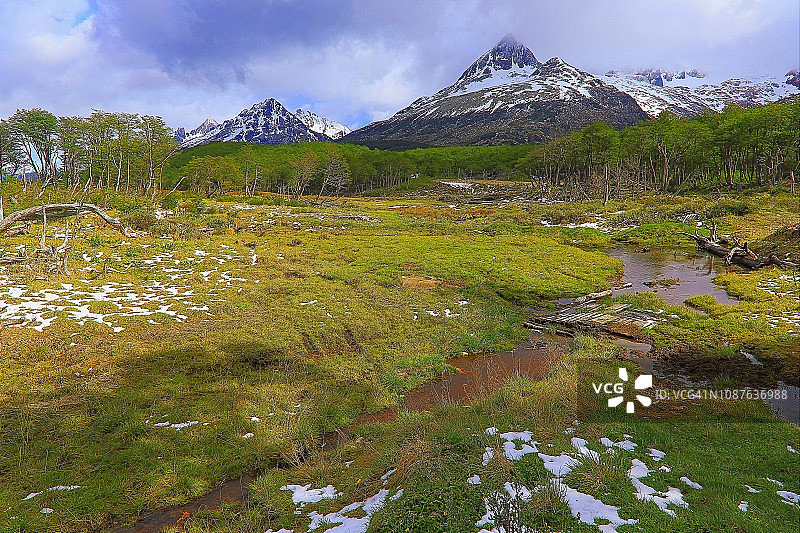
pixel 351 60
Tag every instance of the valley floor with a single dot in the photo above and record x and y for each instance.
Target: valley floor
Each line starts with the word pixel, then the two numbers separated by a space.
pixel 229 338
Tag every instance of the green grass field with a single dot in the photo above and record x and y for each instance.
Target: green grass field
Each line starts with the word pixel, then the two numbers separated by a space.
pixel 137 377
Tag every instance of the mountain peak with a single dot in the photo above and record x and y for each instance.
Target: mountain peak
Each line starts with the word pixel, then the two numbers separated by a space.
pixel 265 122
pixel 508 54
pixel 508 39
pixel 268 103
pixel 320 124
pixel 204 127
pixel 556 62
pixel 207 123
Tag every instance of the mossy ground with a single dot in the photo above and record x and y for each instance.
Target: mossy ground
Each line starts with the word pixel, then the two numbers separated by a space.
pixel 320 328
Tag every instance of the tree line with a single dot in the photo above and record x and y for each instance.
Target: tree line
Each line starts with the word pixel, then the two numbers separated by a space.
pixel 735 148
pixel 121 151
pixel 331 168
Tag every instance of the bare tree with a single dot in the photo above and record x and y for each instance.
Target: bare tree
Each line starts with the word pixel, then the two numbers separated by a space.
pixel 305 169
pixel 336 175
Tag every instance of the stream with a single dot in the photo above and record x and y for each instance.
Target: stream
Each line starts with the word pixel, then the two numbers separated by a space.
pixel 685 275
pixel 677 275
pixel 681 276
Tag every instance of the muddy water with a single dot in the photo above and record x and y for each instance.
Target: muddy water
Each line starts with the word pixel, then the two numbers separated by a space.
pixel 482 373
pixel 672 275
pixel 475 374
pixel 689 275
pixel 235 490
pixel 787 408
pixel 685 275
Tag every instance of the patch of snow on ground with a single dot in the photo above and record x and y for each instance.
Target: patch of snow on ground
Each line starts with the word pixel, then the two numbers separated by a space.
pixel 792 498
pixel 657 455
pixel 304 494
pixel 580 445
pixel 752 358
pixel 177 426
pixel 626 444
pixel 691 483
pixel 387 475
pixel 516 492
pixel 474 480
pixel 663 500
pixel 590 510
pixel 459 184
pixel 513 453
pixel 65 488
pixel 348 524
pixel 743 506
pixel 488 455
pixel 638 469
pixel 559 465
pixel 783 286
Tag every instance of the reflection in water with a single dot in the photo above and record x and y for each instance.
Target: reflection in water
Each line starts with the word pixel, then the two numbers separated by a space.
pixel 682 276
pixel 788 409
pixel 475 374
pixel 486 372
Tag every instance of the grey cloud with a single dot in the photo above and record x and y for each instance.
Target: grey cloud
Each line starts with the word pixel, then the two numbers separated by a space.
pixel 352 60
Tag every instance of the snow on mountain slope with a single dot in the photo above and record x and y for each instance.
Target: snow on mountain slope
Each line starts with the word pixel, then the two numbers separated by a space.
pixel 196 134
pixel 505 96
pixel 266 122
pixel 793 78
pixel 688 93
pixel 322 125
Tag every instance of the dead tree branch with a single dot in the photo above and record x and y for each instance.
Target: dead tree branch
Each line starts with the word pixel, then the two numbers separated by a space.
pixel 740 255
pixel 55 212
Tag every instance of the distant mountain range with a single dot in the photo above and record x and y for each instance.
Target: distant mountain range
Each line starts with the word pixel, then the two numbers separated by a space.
pixel 687 93
pixel 267 122
pixel 507 96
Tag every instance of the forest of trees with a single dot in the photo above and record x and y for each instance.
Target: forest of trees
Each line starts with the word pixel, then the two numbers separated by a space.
pixel 733 149
pixel 114 150
pixel 295 169
pixel 736 148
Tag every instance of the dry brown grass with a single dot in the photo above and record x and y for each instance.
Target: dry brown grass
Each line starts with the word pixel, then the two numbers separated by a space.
pixel 422 282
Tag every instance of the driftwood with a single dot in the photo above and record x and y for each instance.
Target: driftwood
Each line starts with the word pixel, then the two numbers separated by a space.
pixel 740 255
pixel 592 296
pixel 55 212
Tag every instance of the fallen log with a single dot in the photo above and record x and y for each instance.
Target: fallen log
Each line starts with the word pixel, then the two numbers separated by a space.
pixel 55 212
pixel 740 256
pixel 592 296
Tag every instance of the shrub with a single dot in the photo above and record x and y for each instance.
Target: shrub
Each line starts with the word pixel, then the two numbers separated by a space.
pixel 140 219
pixel 216 222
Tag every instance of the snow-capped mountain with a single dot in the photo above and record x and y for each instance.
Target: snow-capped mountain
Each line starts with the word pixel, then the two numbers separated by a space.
pixel 267 122
pixel 199 132
pixel 505 96
pixel 793 78
pixel 687 93
pixel 322 125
